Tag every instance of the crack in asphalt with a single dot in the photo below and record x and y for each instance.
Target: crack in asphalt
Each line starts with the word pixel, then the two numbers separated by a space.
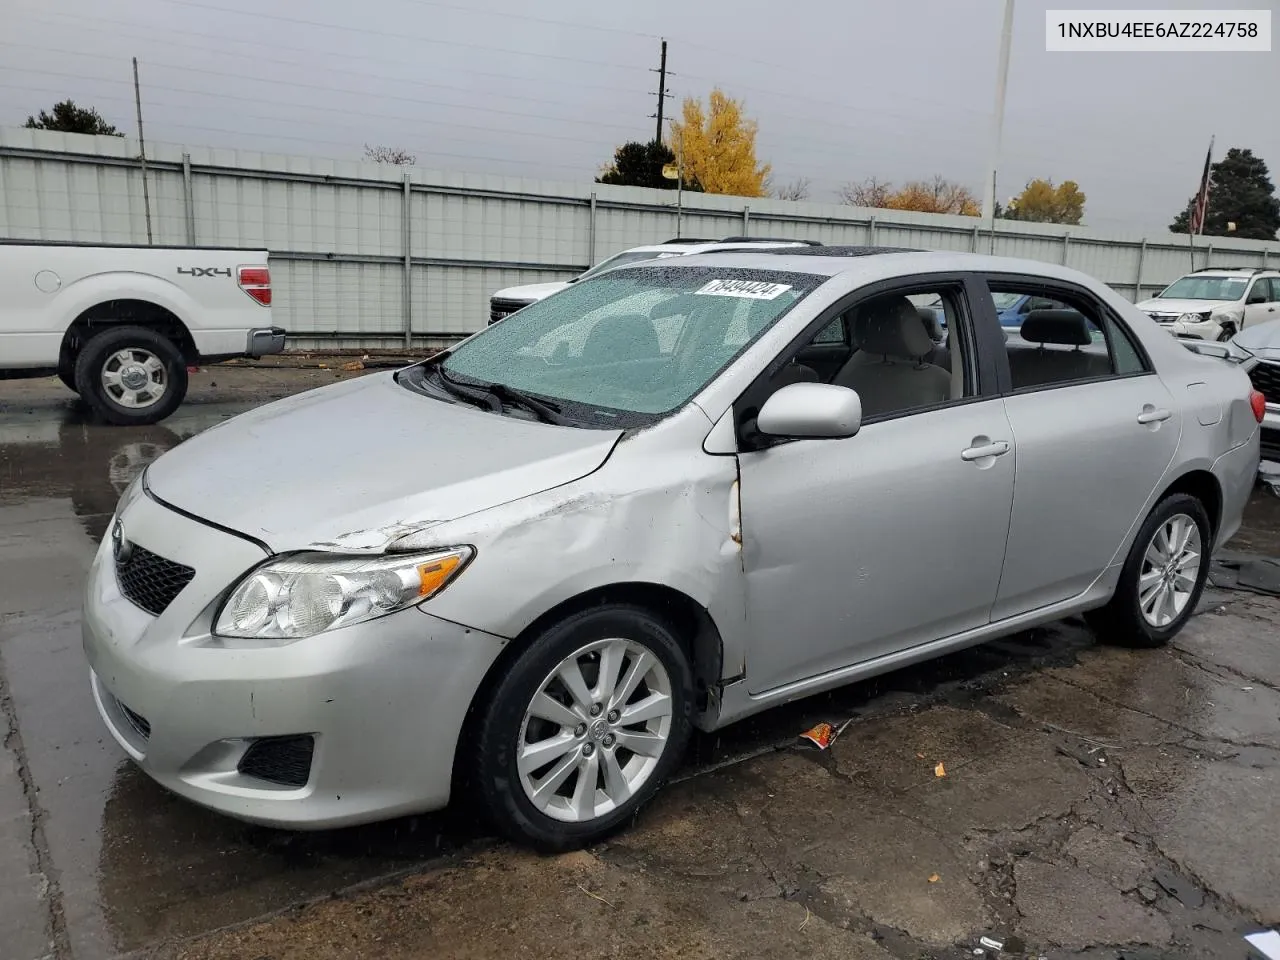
pixel 55 908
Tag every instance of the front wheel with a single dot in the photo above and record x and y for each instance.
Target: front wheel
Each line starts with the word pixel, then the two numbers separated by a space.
pixel 131 375
pixel 1162 578
pixel 583 728
pixel 1228 331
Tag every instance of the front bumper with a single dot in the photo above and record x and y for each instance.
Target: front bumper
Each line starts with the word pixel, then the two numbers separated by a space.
pixel 264 341
pixel 384 700
pixel 1203 330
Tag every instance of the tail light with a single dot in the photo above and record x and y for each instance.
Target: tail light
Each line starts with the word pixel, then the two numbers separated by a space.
pixel 1259 404
pixel 256 282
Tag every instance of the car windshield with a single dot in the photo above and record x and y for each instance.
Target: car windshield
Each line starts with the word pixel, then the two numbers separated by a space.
pixel 620 259
pixel 1004 301
pixel 1204 288
pixel 628 347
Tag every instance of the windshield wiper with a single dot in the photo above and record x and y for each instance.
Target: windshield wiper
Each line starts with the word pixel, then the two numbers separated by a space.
pixel 545 411
pixel 492 396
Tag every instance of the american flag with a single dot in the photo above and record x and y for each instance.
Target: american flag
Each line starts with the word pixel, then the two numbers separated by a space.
pixel 1201 206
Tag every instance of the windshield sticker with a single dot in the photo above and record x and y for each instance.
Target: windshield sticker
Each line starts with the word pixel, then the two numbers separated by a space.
pixel 745 289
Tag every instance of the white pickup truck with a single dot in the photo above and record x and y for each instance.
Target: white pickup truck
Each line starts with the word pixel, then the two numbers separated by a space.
pixel 120 325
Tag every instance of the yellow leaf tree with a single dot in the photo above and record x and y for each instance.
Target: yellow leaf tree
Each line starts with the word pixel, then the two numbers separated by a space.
pixel 1042 202
pixel 719 147
pixel 938 195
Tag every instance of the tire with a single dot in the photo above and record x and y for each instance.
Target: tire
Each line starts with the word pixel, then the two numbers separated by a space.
pixel 131 355
pixel 1123 621
pixel 625 634
pixel 1227 333
pixel 67 375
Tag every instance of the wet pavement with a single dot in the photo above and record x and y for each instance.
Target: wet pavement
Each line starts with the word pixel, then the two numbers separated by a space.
pixel 1096 802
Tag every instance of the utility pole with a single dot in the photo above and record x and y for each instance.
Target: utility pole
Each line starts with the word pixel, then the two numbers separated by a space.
pixel 142 150
pixel 662 90
pixel 1002 79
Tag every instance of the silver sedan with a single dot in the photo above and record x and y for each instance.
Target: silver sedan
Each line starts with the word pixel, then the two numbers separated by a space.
pixel 669 497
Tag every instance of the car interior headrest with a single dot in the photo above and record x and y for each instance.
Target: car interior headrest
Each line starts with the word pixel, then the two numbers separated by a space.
pixel 1066 327
pixel 891 327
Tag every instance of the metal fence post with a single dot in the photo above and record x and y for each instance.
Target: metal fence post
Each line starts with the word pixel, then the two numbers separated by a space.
pixel 188 200
pixel 1208 257
pixel 591 234
pixel 973 240
pixel 1066 246
pixel 1264 258
pixel 871 232
pixel 746 221
pixel 408 265
pixel 1137 277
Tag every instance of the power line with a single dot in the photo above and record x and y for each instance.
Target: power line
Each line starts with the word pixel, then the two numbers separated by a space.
pixel 77 22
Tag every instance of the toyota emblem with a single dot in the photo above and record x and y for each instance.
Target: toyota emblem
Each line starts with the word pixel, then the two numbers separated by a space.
pixel 120 547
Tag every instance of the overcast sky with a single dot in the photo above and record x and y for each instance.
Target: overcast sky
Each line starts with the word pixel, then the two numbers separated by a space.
pixel 842 89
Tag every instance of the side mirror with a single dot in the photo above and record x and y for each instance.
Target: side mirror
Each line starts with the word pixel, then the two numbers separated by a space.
pixel 811 410
pixel 1256 296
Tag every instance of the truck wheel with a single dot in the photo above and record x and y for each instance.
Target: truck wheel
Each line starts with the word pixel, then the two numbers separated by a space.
pixel 131 375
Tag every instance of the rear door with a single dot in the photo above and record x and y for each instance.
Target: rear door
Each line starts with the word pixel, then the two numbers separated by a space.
pixel 1094 430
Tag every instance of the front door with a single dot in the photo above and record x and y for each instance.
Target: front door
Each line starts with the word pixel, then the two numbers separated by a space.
pixel 861 547
pixel 1262 303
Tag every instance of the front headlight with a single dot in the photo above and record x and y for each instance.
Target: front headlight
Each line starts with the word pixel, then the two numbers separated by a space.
pixel 299 596
pixel 1193 318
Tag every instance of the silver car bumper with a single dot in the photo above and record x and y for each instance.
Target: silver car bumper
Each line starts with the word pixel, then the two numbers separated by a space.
pixel 382 702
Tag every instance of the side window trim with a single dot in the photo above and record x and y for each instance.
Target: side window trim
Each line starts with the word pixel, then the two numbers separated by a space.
pixel 1065 291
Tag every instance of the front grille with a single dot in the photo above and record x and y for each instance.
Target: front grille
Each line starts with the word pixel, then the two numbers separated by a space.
pixel 282 760
pixel 140 724
pixel 1266 380
pixel 499 308
pixel 149 580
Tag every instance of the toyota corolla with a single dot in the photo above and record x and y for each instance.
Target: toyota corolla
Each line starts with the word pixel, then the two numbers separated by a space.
pixel 672 496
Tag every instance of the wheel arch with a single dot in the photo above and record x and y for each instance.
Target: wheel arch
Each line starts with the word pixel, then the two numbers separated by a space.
pixel 1204 486
pixel 126 312
pixel 691 622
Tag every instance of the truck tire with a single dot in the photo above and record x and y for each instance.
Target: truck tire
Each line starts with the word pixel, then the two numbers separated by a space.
pixel 67 374
pixel 131 375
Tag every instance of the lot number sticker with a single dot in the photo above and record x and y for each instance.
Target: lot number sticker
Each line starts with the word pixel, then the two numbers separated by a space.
pixel 746 289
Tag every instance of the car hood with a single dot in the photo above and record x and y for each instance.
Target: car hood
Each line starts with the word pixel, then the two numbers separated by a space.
pixel 361 462
pixel 1184 306
pixel 1261 339
pixel 531 292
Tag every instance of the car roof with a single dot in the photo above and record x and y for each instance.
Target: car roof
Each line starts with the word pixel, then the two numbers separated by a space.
pixel 869 262
pixel 704 246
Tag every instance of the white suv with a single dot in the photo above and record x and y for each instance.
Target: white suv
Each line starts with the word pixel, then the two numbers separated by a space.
pixel 508 301
pixel 1216 303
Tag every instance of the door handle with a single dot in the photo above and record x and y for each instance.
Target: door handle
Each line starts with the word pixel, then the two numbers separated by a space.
pixel 997 449
pixel 1150 414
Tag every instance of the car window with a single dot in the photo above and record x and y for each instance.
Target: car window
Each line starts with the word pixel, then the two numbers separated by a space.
pixel 832 332
pixel 633 344
pixel 1204 288
pixel 1066 337
pixel 907 351
pixel 1266 287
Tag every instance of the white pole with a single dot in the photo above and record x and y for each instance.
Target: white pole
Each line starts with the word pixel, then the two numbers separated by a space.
pixel 1002 81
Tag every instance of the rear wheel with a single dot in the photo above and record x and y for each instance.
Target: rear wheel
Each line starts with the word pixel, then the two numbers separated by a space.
pixel 583 728
pixel 131 375
pixel 1162 579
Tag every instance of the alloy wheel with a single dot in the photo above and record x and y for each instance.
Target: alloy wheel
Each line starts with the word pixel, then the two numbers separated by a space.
pixel 595 731
pixel 134 378
pixel 1170 570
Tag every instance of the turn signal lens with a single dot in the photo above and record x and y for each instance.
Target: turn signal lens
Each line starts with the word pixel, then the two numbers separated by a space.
pixel 1259 404
pixel 436 574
